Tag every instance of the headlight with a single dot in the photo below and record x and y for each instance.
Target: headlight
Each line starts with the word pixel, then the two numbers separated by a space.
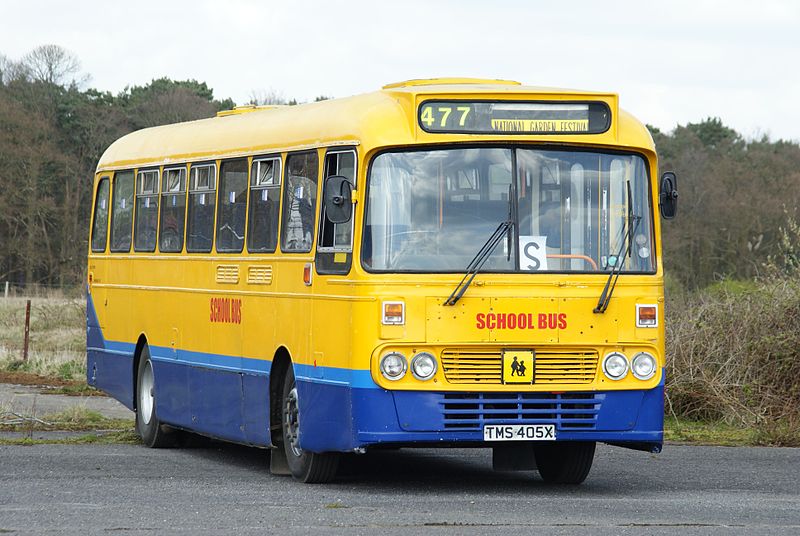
pixel 393 366
pixel 643 366
pixel 423 366
pixel 615 366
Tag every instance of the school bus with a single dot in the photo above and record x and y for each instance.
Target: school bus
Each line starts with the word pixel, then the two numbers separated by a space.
pixel 446 262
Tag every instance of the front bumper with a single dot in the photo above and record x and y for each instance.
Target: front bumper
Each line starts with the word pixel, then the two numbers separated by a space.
pixel 344 418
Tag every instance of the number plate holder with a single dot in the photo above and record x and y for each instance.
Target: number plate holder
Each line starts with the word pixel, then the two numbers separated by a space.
pixel 519 432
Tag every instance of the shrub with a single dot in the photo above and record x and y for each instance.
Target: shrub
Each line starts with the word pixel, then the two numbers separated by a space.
pixel 734 356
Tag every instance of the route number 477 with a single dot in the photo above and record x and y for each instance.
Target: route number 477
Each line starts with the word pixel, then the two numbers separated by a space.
pixel 428 115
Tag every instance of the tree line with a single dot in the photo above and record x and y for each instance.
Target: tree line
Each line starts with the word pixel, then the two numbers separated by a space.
pixel 737 207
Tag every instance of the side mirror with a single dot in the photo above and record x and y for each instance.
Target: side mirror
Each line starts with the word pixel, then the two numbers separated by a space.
pixel 338 199
pixel 668 195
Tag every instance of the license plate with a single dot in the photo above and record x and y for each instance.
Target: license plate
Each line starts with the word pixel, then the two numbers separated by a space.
pixel 519 432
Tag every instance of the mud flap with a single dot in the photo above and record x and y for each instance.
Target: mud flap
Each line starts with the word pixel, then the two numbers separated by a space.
pixel 277 462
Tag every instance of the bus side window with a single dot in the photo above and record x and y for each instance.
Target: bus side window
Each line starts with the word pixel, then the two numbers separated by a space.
pixel 335 246
pixel 299 202
pixel 100 225
pixel 173 211
pixel 338 235
pixel 122 212
pixel 146 221
pixel 232 206
pixel 265 191
pixel 202 201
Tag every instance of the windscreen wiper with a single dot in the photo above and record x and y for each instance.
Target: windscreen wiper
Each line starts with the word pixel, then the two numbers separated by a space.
pixel 479 260
pixel 619 260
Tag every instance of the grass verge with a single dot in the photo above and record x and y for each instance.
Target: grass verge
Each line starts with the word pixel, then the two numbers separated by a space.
pixel 779 434
pixel 128 437
pixel 72 419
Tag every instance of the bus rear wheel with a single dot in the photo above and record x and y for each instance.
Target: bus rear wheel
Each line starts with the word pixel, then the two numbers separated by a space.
pixel 564 463
pixel 308 467
pixel 153 433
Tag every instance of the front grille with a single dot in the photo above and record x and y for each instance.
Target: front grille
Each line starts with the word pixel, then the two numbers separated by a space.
pixel 568 411
pixel 472 366
pixel 485 366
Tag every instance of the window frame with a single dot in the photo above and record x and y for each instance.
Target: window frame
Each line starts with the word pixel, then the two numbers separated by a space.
pixel 193 189
pixel 257 188
pixel 166 193
pixel 103 180
pixel 113 204
pixel 140 193
pixel 514 147
pixel 284 207
pixel 218 208
pixel 323 219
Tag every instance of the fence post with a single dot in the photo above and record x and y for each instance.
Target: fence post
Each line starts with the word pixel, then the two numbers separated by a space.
pixel 27 330
pixel 6 294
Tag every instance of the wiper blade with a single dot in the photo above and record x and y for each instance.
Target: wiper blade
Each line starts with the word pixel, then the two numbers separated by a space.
pixel 619 260
pixel 478 261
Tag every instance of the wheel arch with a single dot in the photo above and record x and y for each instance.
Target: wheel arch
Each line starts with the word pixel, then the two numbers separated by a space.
pixel 137 354
pixel 281 362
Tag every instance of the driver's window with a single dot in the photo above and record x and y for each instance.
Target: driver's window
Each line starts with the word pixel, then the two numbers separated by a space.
pixel 338 236
pixel 335 246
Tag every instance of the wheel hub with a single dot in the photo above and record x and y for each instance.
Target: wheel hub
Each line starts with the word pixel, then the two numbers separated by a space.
pixel 146 396
pixel 291 423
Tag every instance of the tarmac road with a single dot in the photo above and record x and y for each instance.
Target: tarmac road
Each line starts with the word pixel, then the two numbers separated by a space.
pixel 226 489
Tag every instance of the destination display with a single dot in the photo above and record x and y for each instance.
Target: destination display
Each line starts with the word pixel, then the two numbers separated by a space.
pixel 484 117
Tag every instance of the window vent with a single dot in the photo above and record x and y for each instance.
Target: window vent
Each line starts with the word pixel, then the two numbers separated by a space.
pixel 227 273
pixel 259 275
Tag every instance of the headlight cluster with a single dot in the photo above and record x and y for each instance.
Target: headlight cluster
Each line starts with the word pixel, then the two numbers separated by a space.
pixel 642 366
pixel 394 366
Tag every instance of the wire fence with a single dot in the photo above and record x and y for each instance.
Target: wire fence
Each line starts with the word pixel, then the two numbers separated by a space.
pixel 41 290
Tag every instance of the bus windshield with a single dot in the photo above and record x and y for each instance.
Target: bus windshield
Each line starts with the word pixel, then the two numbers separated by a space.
pixel 429 211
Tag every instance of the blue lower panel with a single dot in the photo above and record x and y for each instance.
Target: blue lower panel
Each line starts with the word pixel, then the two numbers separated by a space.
pixel 172 392
pixel 219 403
pixel 112 372
pixel 342 418
pixel 255 390
pixel 326 422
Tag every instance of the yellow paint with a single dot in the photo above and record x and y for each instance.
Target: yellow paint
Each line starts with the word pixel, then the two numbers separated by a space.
pixel 170 298
pixel 517 366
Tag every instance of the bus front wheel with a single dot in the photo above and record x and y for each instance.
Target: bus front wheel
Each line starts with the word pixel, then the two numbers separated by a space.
pixel 309 467
pixel 564 463
pixel 153 433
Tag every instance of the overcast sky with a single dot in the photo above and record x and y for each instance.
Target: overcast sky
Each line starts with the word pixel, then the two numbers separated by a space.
pixel 670 62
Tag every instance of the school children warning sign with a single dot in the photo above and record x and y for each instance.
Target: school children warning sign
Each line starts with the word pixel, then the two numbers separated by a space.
pixel 518 366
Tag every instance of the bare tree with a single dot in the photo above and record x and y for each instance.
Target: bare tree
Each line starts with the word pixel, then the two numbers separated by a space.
pixel 4 66
pixel 263 97
pixel 52 64
pixel 11 70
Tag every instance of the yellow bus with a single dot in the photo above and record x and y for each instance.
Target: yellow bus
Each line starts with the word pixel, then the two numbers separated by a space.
pixel 446 262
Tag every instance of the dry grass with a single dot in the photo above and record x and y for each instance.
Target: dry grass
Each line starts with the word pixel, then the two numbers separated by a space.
pixel 57 346
pixel 74 418
pixel 734 357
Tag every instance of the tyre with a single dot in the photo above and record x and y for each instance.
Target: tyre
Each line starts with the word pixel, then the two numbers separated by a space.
pixel 564 463
pixel 153 433
pixel 309 467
